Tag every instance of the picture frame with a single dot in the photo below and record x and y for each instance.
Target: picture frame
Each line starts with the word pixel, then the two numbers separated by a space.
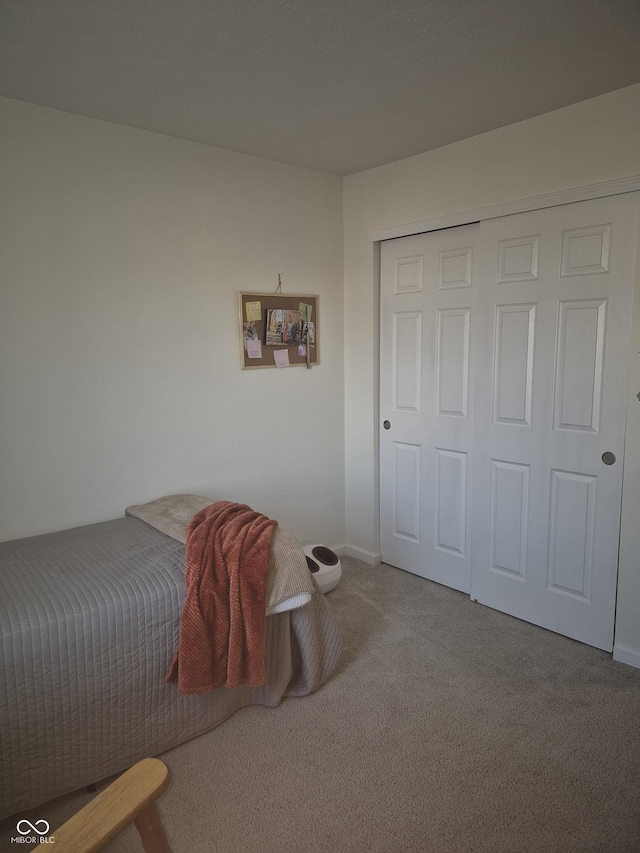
pixel 275 328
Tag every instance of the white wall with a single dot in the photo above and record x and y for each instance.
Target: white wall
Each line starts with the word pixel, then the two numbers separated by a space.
pixel 591 142
pixel 121 254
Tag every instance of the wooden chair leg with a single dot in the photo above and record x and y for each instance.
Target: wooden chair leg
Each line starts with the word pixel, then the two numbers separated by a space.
pixel 152 834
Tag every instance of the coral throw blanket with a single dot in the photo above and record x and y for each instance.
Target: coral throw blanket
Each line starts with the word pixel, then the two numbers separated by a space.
pixel 223 619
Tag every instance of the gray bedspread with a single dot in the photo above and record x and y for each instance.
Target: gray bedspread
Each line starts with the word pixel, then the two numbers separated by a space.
pixel 89 622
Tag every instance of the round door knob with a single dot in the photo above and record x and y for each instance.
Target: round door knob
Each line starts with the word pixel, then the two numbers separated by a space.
pixel 387 425
pixel 608 457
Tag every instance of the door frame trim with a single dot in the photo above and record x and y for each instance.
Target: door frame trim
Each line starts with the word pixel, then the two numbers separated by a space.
pixel 538 202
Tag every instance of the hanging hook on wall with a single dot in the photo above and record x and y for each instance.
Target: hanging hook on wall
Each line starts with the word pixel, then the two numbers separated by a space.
pixel 279 287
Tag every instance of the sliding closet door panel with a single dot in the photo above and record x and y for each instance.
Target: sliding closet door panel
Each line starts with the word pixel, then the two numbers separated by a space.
pixel 428 287
pixel 553 331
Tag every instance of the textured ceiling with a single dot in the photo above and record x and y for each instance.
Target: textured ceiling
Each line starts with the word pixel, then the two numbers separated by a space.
pixel 335 85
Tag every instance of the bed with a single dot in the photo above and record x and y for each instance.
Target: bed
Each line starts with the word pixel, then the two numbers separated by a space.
pixel 89 624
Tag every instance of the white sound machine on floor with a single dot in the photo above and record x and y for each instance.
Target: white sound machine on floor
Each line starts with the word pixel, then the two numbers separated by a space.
pixel 323 564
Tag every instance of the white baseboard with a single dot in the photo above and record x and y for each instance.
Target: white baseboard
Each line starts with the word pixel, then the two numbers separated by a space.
pixel 369 557
pixel 625 655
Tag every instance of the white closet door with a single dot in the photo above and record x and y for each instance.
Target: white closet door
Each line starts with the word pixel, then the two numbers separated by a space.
pixel 554 324
pixel 504 357
pixel 427 315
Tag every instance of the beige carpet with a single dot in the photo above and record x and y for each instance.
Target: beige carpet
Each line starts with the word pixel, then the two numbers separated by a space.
pixel 449 727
